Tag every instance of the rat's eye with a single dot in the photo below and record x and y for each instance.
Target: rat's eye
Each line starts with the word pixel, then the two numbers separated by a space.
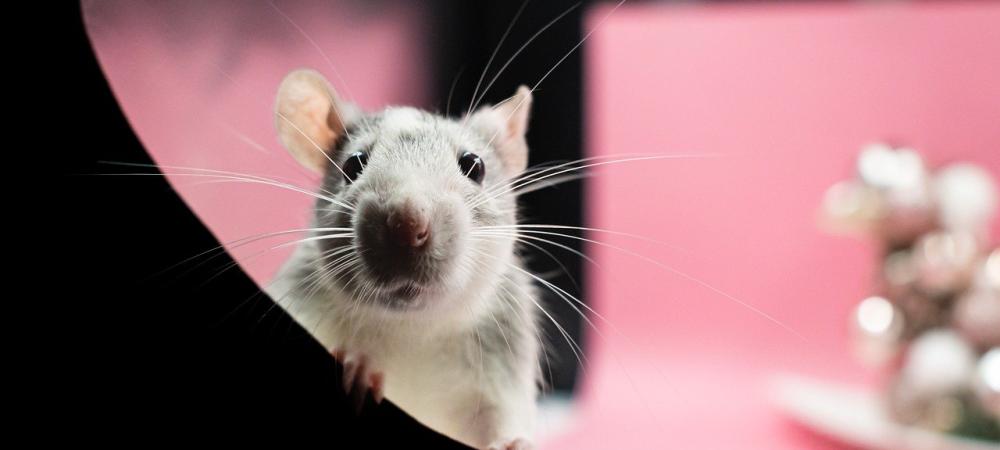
pixel 354 165
pixel 472 166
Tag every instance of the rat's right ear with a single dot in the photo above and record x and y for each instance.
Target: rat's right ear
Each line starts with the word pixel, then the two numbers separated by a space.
pixel 309 118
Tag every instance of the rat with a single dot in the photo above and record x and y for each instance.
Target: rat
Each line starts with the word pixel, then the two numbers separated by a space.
pixel 394 280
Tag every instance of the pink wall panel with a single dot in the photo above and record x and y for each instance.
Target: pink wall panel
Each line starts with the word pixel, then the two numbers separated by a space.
pixel 197 82
pixel 783 96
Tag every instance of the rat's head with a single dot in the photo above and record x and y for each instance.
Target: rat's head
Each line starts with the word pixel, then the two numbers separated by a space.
pixel 412 187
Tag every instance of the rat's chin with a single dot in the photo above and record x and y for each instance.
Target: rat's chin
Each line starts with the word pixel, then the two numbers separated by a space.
pixel 407 295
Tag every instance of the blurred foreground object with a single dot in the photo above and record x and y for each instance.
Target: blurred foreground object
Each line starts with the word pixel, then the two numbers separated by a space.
pixel 933 323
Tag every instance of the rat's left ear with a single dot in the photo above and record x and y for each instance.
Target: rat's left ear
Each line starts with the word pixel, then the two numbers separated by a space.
pixel 310 118
pixel 506 124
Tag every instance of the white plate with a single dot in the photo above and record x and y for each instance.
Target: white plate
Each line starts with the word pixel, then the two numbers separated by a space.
pixel 857 416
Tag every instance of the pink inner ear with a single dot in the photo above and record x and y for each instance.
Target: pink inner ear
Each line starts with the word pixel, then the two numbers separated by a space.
pixel 198 86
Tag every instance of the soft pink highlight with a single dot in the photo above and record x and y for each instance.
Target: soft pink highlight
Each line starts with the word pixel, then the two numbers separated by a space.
pixel 786 95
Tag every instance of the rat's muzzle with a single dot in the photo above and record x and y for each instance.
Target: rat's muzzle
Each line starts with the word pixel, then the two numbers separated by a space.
pixel 397 241
pixel 408 226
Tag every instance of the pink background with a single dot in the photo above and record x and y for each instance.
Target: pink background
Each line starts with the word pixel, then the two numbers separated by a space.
pixel 785 96
pixel 197 82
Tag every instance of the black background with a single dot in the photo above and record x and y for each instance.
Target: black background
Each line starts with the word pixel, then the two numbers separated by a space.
pixel 118 353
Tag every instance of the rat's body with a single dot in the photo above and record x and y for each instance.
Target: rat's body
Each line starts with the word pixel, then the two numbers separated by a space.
pixel 402 277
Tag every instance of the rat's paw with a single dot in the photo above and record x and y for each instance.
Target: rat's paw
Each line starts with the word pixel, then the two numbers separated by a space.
pixel 515 444
pixel 360 377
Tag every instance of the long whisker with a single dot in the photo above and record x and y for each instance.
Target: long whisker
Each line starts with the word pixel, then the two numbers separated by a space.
pixel 496 50
pixel 518 52
pixel 244 260
pixel 586 166
pixel 531 175
pixel 236 243
pixel 573 344
pixel 558 63
pixel 682 275
pixel 451 91
pixel 319 148
pixel 529 226
pixel 316 46
pixel 226 175
pixel 526 241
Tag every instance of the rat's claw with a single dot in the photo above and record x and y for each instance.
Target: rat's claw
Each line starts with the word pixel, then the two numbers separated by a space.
pixel 359 377
pixel 515 444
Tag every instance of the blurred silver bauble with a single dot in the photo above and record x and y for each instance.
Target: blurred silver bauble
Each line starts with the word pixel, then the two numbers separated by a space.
pixel 988 277
pixel 945 261
pixel 939 411
pixel 966 198
pixel 938 362
pixel 900 173
pixel 977 316
pixel 851 207
pixel 987 383
pixel 921 313
pixel 898 273
pixel 877 327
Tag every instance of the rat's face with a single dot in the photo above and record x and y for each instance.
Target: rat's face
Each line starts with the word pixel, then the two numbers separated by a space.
pixel 412 187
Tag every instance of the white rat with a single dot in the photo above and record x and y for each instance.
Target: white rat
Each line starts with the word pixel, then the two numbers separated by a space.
pixel 393 278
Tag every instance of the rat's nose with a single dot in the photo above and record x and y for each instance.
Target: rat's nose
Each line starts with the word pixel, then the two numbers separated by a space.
pixel 408 227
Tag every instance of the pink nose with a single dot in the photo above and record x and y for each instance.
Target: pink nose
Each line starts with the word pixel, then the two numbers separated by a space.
pixel 408 227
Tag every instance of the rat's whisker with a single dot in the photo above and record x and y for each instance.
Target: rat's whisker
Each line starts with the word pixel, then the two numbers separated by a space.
pixel 310 283
pixel 526 241
pixel 318 238
pixel 311 141
pixel 574 346
pixel 530 174
pixel 517 15
pixel 261 292
pixel 451 91
pixel 319 49
pixel 532 187
pixel 532 226
pixel 245 259
pixel 683 275
pixel 518 184
pixel 236 243
pixel 572 301
pixel 557 64
pixel 518 52
pixel 225 175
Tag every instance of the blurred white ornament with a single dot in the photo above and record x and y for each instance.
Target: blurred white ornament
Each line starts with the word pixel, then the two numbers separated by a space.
pixel 966 198
pixel 977 316
pixel 898 270
pixel 851 207
pixel 945 261
pixel 878 327
pixel 903 185
pixel 988 380
pixel 989 276
pixel 900 172
pixel 938 362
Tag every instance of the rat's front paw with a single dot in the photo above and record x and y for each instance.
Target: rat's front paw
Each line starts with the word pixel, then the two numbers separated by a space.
pixel 514 444
pixel 360 377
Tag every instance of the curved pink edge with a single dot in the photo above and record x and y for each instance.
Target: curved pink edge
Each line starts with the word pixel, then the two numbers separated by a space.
pixel 197 82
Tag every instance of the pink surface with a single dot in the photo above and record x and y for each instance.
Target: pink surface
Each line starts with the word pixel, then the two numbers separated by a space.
pixel 786 95
pixel 197 82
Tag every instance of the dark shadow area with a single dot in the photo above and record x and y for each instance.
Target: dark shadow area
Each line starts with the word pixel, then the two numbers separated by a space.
pixel 190 355
pixel 467 35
